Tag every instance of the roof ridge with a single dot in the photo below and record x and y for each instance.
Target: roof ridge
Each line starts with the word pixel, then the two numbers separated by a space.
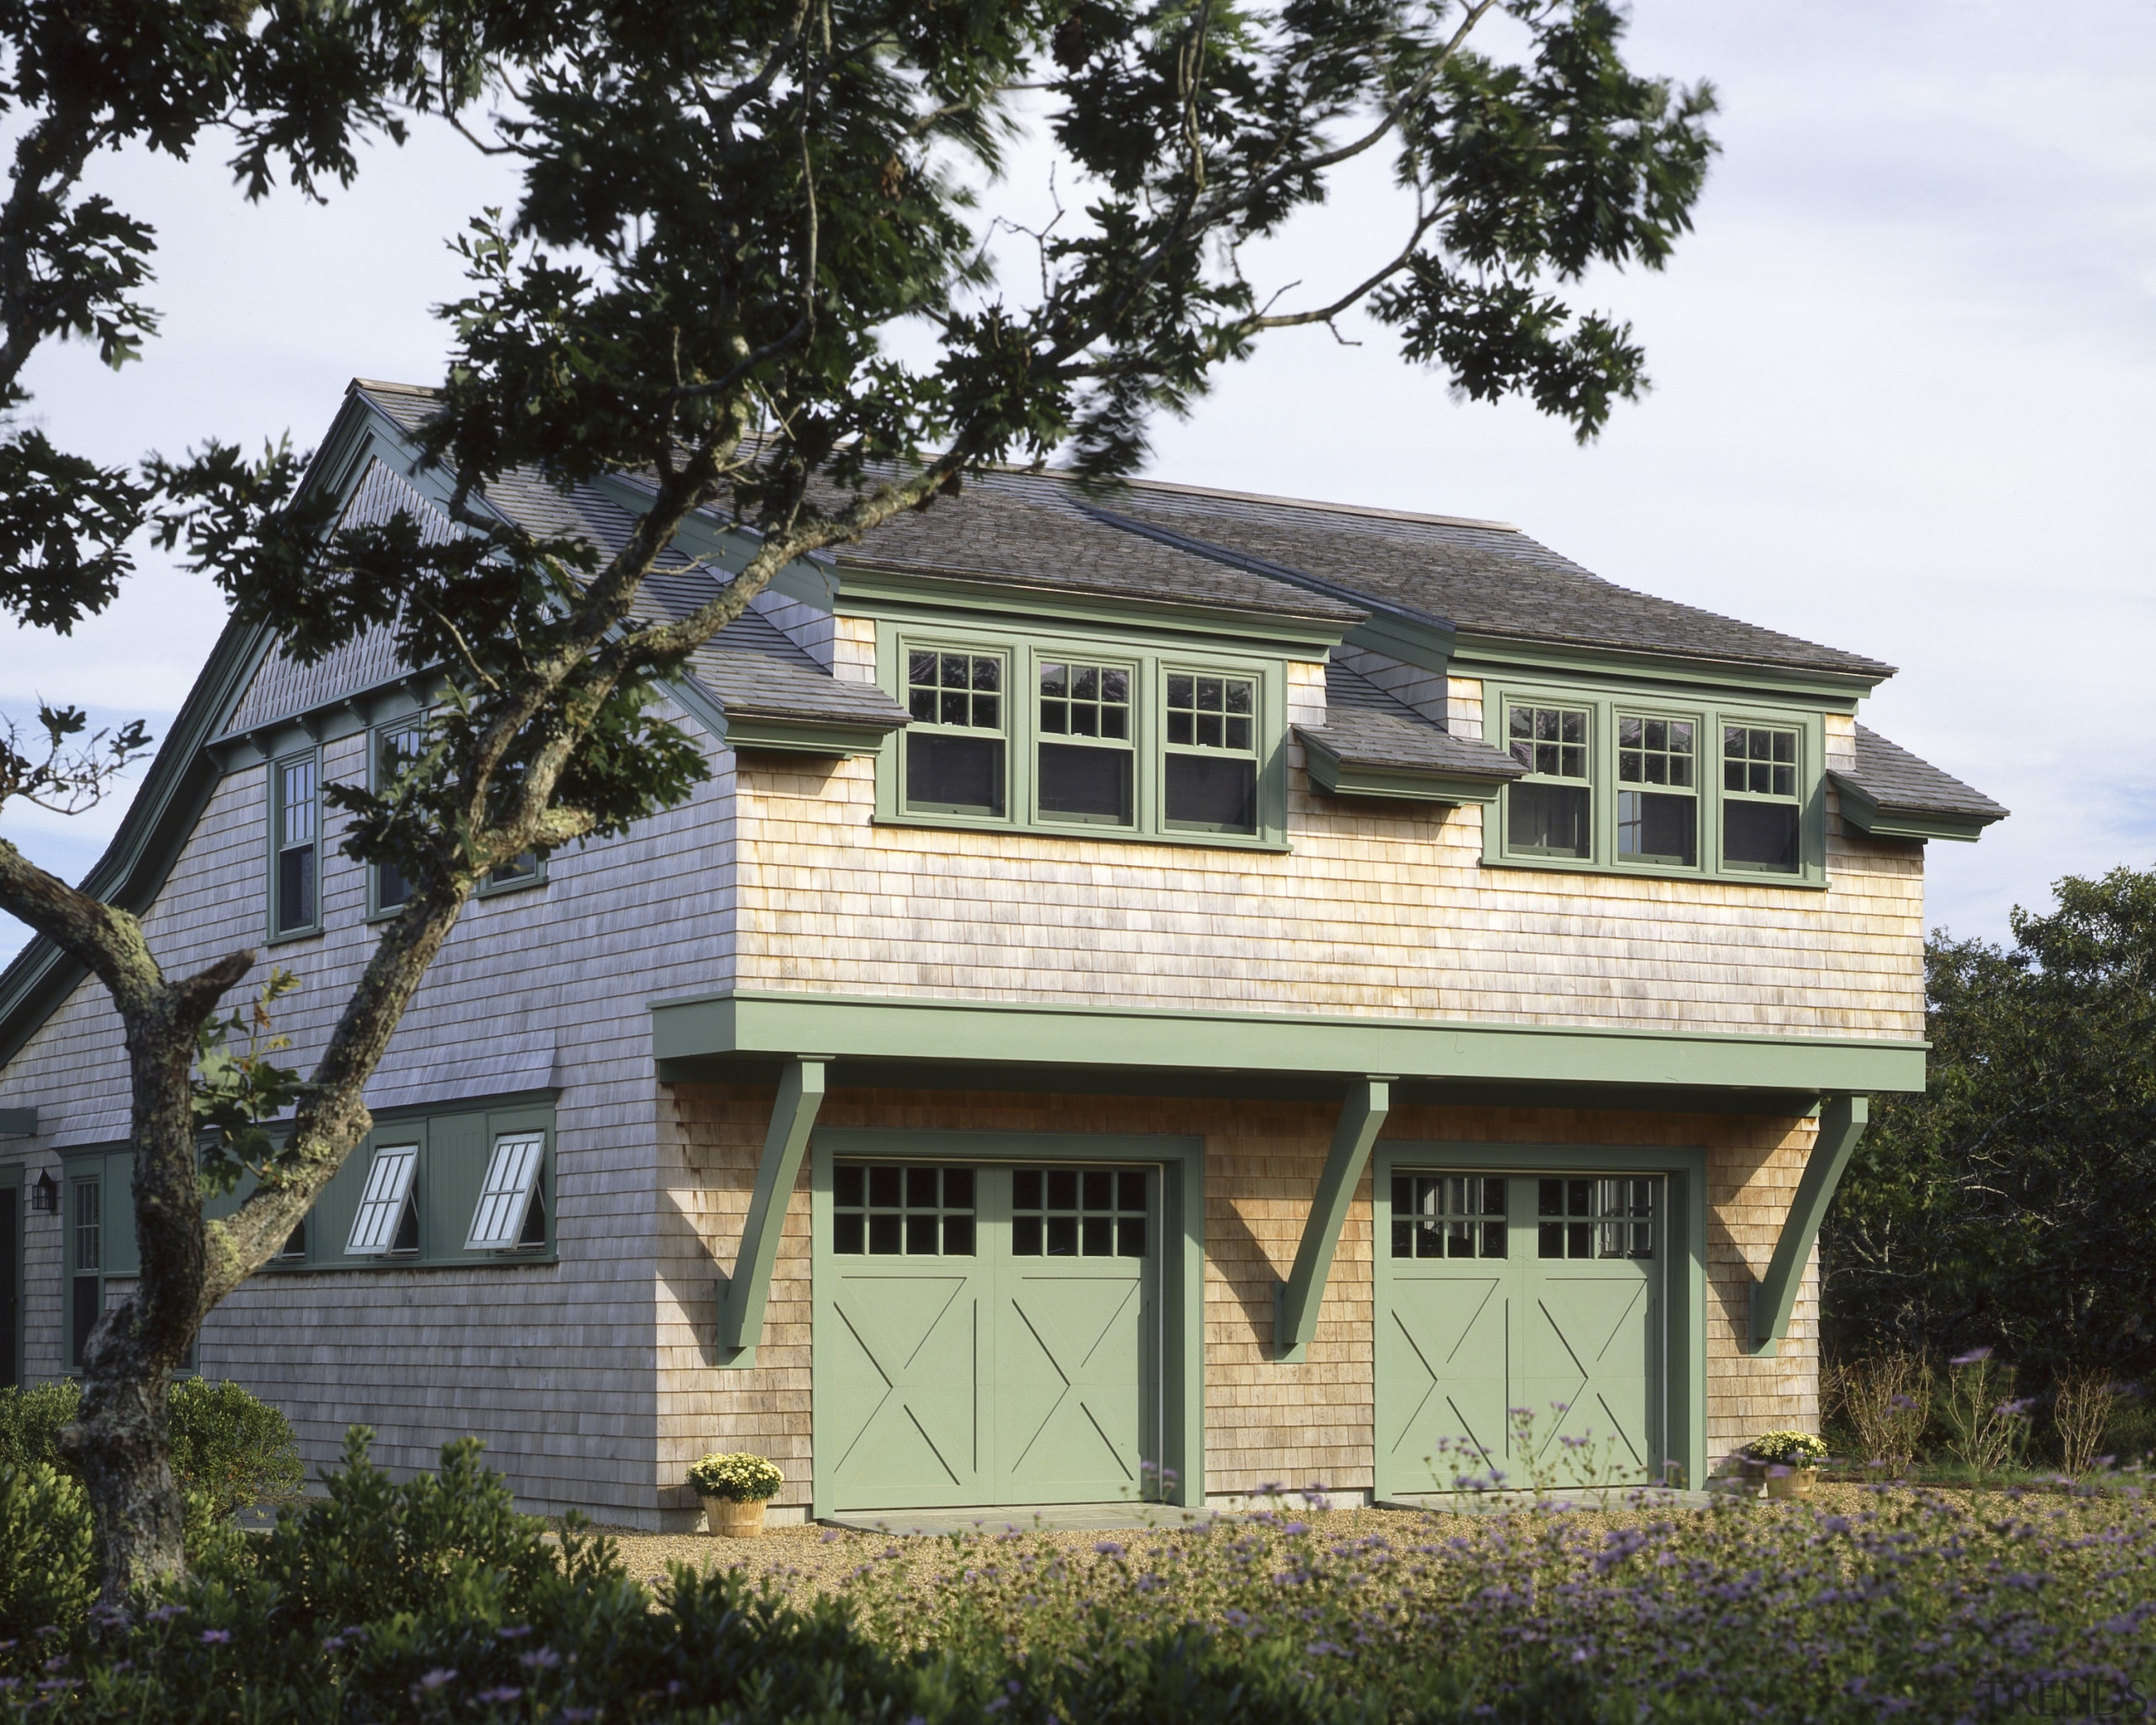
pixel 1370 511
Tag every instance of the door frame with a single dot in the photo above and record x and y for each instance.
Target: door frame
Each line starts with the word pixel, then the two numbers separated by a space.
pixel 13 1178
pixel 1684 1302
pixel 1182 1162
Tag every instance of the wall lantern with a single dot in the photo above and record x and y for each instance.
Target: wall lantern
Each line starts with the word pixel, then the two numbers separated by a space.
pixel 44 1195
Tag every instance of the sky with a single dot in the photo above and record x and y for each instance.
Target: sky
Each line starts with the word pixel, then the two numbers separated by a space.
pixel 1902 371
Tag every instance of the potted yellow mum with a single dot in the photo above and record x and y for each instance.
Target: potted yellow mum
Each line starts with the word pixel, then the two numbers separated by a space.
pixel 734 1489
pixel 1790 1460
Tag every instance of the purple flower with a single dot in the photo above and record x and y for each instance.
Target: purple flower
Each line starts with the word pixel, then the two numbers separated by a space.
pixel 500 1697
pixel 539 1659
pixel 215 1637
pixel 1107 1548
pixel 1974 1356
pixel 514 1632
pixel 436 1679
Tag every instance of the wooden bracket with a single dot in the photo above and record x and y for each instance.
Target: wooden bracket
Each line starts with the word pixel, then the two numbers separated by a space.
pixel 1841 1121
pixel 1295 1301
pixel 741 1296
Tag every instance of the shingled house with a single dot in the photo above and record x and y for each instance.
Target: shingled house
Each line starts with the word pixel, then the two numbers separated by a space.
pixel 1154 998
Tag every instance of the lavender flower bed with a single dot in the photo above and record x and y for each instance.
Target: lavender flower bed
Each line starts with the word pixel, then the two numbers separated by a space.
pixel 1881 1604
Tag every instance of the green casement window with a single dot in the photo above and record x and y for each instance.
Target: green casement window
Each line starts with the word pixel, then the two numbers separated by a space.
pixel 1762 809
pixel 467 1185
pixel 1551 812
pixel 1657 790
pixel 296 845
pixel 1650 786
pixel 1135 741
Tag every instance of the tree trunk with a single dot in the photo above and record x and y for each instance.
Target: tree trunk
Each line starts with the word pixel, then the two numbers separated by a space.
pixel 120 1443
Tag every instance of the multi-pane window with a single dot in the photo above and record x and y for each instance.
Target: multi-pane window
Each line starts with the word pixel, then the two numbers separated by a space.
pixel 1657 790
pixel 954 746
pixel 510 1213
pixel 1550 813
pixel 395 747
pixel 1078 1212
pixel 295 822
pixel 1448 1215
pixel 893 1209
pixel 1085 765
pixel 1762 810
pixel 1595 1218
pixel 388 1218
pixel 86 1261
pixel 1211 753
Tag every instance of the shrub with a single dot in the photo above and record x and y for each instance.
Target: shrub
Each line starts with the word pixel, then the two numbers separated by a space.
pixel 233 1447
pixel 737 1479
pixel 46 1571
pixel 1886 1403
pixel 1989 1428
pixel 31 1422
pixel 2082 1407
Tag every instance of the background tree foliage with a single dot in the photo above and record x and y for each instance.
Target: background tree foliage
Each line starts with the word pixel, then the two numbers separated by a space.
pixel 2014 1204
pixel 762 259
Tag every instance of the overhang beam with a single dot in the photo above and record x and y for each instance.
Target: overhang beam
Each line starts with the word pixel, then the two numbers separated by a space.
pixel 1841 1121
pixel 741 1296
pixel 1295 1301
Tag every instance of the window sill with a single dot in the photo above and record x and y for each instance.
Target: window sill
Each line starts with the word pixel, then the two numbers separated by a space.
pixel 292 937
pixel 475 1261
pixel 1816 883
pixel 1084 832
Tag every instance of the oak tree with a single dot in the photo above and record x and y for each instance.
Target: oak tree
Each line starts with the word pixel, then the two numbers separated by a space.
pixel 765 256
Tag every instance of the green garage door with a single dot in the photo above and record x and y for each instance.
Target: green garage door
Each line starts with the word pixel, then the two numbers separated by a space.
pixel 989 1335
pixel 1536 1293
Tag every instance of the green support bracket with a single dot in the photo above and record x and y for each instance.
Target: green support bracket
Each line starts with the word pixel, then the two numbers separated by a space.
pixel 741 1296
pixel 1841 1121
pixel 1295 1301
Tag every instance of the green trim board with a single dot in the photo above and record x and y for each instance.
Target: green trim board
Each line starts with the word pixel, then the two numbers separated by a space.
pixel 1862 810
pixel 1296 1301
pixel 804 737
pixel 997 600
pixel 1683 1353
pixel 1181 1162
pixel 689 1034
pixel 1504 658
pixel 743 1294
pixel 1842 1123
pixel 1411 784
pixel 14 1237
pixel 18 1122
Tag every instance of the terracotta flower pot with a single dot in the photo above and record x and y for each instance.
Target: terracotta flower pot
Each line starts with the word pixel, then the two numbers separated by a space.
pixel 1794 1482
pixel 734 1521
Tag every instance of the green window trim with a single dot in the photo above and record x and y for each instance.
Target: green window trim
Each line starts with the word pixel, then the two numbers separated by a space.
pixel 1181 1164
pixel 100 1176
pixel 1016 745
pixel 1684 1294
pixel 456 1171
pixel 293 802
pixel 1635 826
pixel 14 1200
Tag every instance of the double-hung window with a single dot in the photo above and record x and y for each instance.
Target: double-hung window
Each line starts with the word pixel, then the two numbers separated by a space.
pixel 955 743
pixel 395 747
pixel 86 1263
pixel 1211 753
pixel 1085 769
pixel 294 844
pixel 1551 812
pixel 1763 805
pixel 1657 790
pixel 1132 738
